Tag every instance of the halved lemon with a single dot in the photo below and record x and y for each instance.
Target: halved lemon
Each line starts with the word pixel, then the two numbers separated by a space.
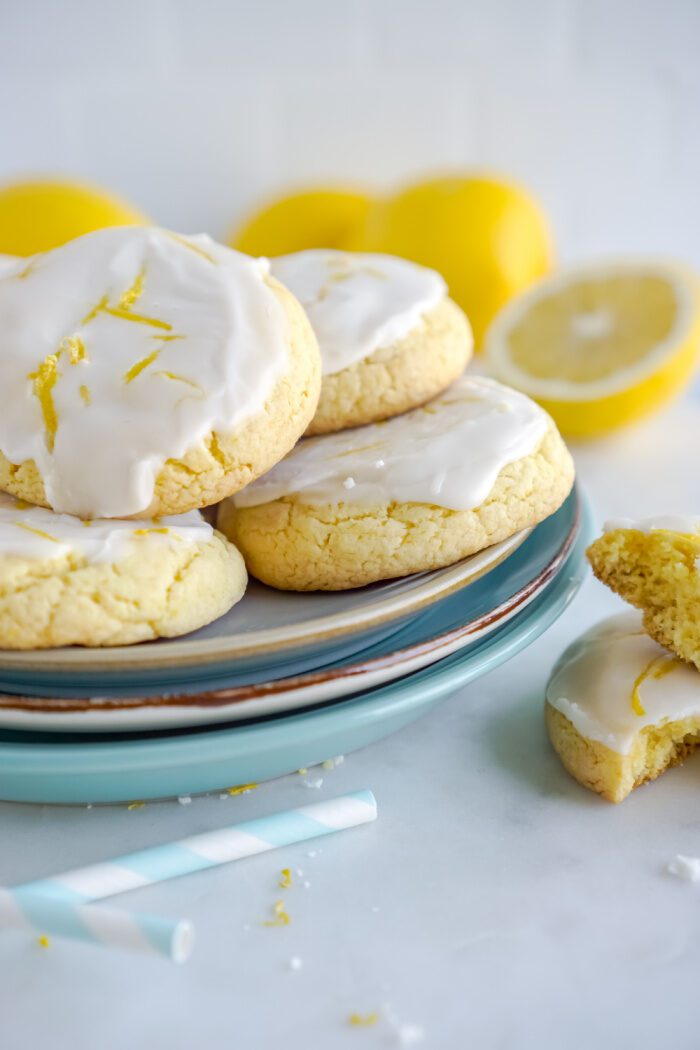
pixel 602 345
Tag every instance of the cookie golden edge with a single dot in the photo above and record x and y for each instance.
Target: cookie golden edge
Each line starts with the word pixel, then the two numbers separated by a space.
pixel 399 377
pixel 157 591
pixel 611 774
pixel 655 572
pixel 292 545
pixel 222 464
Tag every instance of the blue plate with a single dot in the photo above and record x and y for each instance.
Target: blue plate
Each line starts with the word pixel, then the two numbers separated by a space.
pixel 67 769
pixel 474 601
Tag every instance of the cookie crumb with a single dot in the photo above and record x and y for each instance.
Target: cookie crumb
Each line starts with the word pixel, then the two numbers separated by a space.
pixel 331 763
pixel 315 783
pixel 295 963
pixel 184 800
pixel 409 1034
pixel 685 867
pixel 349 483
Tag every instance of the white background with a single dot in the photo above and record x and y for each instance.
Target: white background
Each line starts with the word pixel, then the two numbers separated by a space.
pixel 495 904
pixel 195 109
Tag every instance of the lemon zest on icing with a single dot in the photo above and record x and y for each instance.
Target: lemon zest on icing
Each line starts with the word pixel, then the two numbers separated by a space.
pixel 44 380
pixel 138 368
pixel 37 532
pixel 363 1020
pixel 85 394
pixel 146 532
pixel 95 311
pixel 167 338
pixel 180 379
pixel 134 292
pixel 656 668
pixel 281 918
pixel 74 346
pixel 126 315
pixel 192 247
pixel 286 880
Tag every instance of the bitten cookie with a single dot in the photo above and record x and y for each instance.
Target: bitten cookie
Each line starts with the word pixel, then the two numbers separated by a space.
pixel 654 565
pixel 390 338
pixel 418 492
pixel 64 581
pixel 620 709
pixel 145 373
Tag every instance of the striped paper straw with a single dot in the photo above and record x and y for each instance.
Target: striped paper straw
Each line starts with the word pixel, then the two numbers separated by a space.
pixel 27 910
pixel 159 863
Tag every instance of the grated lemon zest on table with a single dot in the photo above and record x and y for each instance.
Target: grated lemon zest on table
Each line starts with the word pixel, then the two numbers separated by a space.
pixel 44 941
pixel 136 805
pixel 241 789
pixel 286 880
pixel 281 918
pixel 85 394
pixel 363 1020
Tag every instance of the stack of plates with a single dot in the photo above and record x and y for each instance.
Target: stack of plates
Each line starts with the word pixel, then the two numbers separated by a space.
pixel 281 682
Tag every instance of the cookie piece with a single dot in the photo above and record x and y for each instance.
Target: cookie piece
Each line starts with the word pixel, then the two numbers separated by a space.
pixel 654 565
pixel 620 709
pixel 145 373
pixel 390 338
pixel 418 492
pixel 64 581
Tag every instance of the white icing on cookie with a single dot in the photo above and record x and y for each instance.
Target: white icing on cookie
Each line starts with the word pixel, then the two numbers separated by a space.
pixel 38 534
pixel 686 524
pixel 127 347
pixel 357 302
pixel 615 680
pixel 447 453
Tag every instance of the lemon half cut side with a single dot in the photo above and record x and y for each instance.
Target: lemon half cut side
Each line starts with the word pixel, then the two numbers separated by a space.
pixel 601 345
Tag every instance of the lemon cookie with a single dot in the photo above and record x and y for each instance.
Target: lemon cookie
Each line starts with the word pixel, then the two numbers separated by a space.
pixel 389 336
pixel 418 492
pixel 621 709
pixel 145 373
pixel 64 581
pixel 655 566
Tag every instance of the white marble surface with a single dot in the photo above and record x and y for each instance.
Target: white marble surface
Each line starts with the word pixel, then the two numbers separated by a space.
pixel 495 904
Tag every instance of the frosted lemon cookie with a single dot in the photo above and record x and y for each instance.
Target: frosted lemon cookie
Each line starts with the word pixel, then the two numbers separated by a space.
pixel 621 709
pixel 64 581
pixel 147 373
pixel 418 492
pixel 390 338
pixel 655 566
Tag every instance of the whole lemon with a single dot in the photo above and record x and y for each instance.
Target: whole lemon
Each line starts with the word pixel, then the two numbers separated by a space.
pixel 316 218
pixel 38 215
pixel 485 235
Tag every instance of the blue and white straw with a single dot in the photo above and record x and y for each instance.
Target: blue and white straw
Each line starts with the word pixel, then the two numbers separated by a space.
pixel 199 852
pixel 61 917
pixel 59 905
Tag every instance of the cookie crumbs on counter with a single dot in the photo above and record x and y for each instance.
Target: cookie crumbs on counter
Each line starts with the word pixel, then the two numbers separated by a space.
pixel 331 763
pixel 409 1034
pixel 184 800
pixel 685 867
pixel 295 963
pixel 306 884
pixel 316 783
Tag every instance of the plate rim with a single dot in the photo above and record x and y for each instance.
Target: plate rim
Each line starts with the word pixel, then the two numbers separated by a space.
pixel 321 628
pixel 228 696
